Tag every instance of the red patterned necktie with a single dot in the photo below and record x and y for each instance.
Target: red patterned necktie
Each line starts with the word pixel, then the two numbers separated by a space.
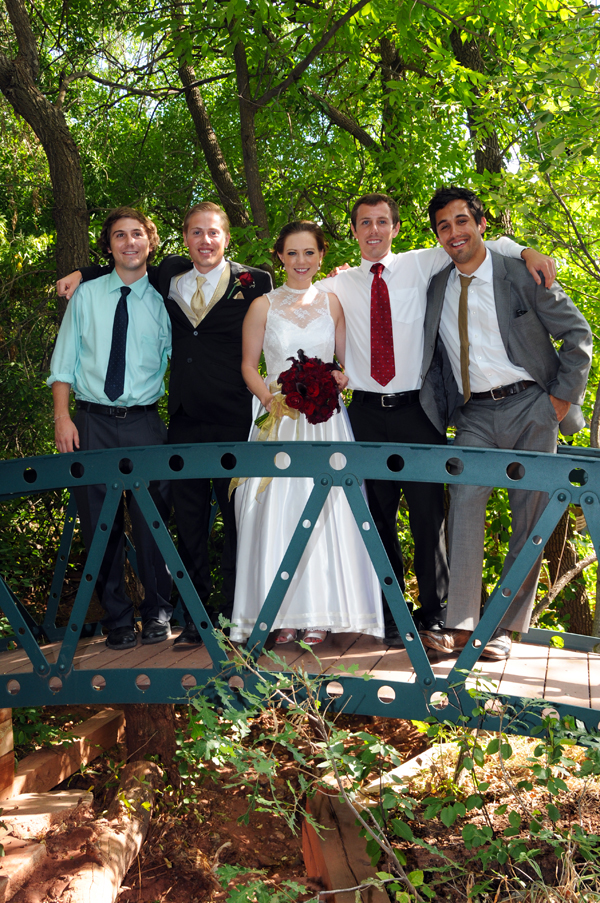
pixel 383 368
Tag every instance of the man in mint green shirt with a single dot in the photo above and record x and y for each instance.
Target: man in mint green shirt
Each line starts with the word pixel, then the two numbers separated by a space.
pixel 112 351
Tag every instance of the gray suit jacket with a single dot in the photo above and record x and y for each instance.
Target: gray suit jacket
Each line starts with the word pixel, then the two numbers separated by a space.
pixel 526 337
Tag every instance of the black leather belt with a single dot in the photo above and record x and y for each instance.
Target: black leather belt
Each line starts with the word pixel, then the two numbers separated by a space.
pixel 92 408
pixel 504 391
pixel 393 400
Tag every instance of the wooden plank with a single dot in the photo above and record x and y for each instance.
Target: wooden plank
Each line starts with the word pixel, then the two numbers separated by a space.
pixel 525 671
pixel 43 770
pixel 326 654
pixel 394 665
pixel 366 652
pixel 567 678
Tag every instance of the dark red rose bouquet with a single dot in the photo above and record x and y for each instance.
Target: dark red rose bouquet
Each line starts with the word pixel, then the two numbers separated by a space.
pixel 310 388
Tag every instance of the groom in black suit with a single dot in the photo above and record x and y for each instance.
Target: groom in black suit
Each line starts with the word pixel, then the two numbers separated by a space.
pixel 207 299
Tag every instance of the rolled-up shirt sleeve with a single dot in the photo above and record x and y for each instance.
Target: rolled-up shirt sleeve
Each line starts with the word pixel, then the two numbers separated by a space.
pixel 63 365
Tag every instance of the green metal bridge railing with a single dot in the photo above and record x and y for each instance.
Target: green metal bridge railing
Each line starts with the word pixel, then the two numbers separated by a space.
pixel 572 476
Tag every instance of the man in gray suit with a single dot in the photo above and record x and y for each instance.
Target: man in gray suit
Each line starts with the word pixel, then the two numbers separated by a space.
pixel 489 326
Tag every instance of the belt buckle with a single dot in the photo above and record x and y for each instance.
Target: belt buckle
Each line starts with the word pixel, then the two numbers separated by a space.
pixel 499 397
pixel 120 413
pixel 384 405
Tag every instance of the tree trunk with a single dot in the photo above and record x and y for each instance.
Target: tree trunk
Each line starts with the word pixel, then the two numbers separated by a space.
pixel 150 729
pixel 249 149
pixel 561 556
pixel 18 84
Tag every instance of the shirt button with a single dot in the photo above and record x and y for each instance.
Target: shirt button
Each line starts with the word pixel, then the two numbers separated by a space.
pixel 189 360
pixel 195 332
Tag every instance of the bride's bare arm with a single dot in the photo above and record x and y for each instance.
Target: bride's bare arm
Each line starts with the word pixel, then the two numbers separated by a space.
pixel 253 335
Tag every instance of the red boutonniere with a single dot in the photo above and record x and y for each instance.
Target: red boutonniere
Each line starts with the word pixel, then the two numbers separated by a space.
pixel 246 279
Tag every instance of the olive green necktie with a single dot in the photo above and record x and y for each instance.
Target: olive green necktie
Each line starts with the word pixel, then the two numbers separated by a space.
pixel 463 333
pixel 198 302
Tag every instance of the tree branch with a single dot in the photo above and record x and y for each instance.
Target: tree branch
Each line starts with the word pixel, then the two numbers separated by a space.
pixel 28 51
pixel 303 65
pixel 560 584
pixel 341 119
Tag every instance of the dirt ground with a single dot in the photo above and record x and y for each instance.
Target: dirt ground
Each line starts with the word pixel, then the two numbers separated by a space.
pixel 190 835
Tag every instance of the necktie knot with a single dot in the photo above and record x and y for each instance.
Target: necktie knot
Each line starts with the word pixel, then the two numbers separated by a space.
pixel 200 280
pixel 377 269
pixel 465 281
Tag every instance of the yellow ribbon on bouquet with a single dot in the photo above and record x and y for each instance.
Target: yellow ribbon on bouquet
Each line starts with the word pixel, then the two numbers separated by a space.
pixel 268 431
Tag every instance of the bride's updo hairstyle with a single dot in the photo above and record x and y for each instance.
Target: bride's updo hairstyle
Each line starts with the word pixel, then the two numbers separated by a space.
pixel 300 225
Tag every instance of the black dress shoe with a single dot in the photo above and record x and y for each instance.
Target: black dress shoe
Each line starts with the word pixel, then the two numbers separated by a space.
pixel 121 638
pixel 155 631
pixel 189 636
pixel 393 637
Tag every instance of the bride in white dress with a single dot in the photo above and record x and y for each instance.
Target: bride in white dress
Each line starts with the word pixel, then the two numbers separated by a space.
pixel 335 587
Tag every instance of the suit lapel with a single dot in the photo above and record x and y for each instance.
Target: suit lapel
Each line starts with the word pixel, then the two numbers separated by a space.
pixel 501 296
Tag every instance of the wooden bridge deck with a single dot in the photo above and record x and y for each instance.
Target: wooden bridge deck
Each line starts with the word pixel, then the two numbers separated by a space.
pixel 532 671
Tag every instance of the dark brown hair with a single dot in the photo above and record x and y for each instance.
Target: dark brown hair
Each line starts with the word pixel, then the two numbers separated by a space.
pixel 371 200
pixel 445 196
pixel 207 207
pixel 129 213
pixel 299 225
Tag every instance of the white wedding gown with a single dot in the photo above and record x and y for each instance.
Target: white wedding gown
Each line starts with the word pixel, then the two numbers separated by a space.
pixel 335 586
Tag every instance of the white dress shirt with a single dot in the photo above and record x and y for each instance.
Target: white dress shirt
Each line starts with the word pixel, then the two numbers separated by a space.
pixel 489 365
pixel 407 276
pixel 186 287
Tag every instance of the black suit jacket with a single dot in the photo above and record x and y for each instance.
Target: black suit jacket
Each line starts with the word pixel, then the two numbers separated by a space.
pixel 206 362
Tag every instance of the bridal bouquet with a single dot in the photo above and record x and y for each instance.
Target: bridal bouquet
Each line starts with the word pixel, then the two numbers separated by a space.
pixel 309 387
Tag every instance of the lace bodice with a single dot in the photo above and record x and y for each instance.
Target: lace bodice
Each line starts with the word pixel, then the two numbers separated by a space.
pixel 297 319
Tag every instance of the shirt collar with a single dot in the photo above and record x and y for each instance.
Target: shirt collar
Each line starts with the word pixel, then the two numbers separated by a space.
pixel 387 261
pixel 213 276
pixel 483 273
pixel 115 283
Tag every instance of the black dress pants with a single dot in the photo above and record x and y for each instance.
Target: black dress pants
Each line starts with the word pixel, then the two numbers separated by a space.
pixel 97 431
pixel 191 500
pixel 407 423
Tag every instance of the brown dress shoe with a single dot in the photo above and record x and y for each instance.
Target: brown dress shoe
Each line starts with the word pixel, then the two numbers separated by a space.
pixel 446 641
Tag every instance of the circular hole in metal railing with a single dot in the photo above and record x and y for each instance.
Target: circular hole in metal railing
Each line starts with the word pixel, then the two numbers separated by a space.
pixel 395 463
pixel 179 575
pixel 142 682
pixel 506 592
pixel 188 682
pixel 155 524
pixel 334 689
pixel 578 477
pixel 89 578
pixel 55 684
pixel 104 527
pixel 454 466
pixel 494 707
pixel 98 682
pixel 515 471
pixel 236 683
pixel 537 540
pixel 366 526
pixel 176 463
pixel 262 626
pixel 386 695
pixel 476 644
pixel 77 470
pixel 338 461
pixel 282 460
pixel 204 625
pixel 21 631
pixel 550 713
pixel 284 575
pixel 409 637
pixel 74 628
pixel 13 687
pixel 126 465
pixel 228 461
pixel 388 580
pixel 30 475
pixel 439 700
pixel 306 524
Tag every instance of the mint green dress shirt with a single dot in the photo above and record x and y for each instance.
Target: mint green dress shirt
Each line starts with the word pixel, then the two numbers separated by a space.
pixel 83 345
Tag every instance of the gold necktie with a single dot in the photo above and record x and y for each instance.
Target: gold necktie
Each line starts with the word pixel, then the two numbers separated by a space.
pixel 463 333
pixel 198 302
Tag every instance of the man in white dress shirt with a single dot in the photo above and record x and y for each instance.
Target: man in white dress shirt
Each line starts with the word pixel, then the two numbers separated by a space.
pixel 496 326
pixel 384 301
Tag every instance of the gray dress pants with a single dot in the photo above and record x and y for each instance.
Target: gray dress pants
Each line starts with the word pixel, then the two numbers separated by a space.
pixel 526 421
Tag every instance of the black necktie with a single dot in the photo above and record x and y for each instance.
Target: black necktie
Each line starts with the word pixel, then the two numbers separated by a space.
pixel 115 373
